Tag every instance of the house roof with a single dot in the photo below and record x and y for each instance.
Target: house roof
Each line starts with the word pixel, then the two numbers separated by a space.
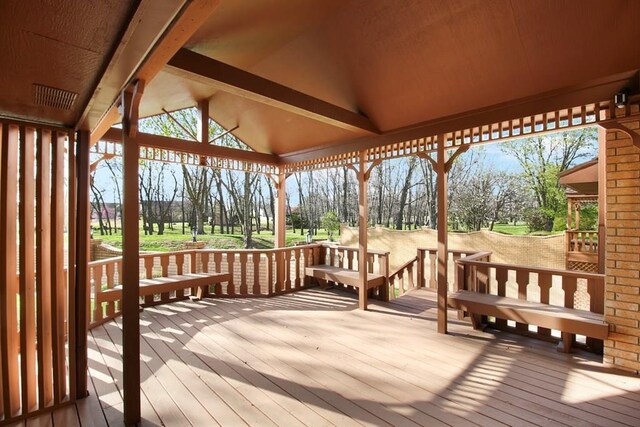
pixel 302 75
pixel 582 179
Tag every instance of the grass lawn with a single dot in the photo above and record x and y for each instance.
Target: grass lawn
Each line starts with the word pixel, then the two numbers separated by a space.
pixel 173 240
pixel 519 229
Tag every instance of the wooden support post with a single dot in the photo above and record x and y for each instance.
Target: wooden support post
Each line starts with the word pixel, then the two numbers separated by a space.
pixel 362 231
pixel 203 121
pixel 130 256
pixel 441 171
pixel 280 222
pixel 82 256
pixel 602 197
pixel 203 126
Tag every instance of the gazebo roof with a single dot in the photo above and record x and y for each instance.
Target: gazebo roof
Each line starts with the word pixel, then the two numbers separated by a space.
pixel 309 79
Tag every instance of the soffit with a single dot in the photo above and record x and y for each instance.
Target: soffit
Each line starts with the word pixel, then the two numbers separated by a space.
pixel 62 44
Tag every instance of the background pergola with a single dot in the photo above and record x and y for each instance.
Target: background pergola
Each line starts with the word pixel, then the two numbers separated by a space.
pixel 307 85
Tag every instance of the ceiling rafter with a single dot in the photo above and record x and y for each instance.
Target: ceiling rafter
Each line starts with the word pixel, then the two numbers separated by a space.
pixel 176 33
pixel 250 86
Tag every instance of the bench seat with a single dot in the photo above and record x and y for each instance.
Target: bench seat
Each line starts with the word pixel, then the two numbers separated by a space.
pixel 343 275
pixel 566 320
pixel 159 285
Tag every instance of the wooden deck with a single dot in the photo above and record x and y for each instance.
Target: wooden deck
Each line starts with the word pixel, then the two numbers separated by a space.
pixel 311 358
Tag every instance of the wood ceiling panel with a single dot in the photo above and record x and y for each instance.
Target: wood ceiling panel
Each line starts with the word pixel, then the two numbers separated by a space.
pixel 63 44
pixel 401 64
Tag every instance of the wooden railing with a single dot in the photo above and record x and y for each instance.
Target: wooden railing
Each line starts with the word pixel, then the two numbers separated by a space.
pixel 256 273
pixel 582 241
pixel 347 257
pixel 402 280
pixel 428 266
pixel 563 288
pixel 581 247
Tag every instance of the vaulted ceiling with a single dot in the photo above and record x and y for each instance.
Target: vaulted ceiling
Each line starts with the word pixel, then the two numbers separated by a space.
pixel 297 75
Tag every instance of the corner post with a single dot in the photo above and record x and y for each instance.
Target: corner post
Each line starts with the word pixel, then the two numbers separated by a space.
pixel 130 255
pixel 82 258
pixel 280 222
pixel 441 171
pixel 602 197
pixel 362 230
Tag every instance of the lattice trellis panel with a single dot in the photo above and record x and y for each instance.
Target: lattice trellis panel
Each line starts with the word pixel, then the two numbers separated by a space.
pixel 111 148
pixel 588 267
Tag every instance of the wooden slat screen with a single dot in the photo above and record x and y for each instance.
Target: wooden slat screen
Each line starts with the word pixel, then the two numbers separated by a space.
pixel 34 297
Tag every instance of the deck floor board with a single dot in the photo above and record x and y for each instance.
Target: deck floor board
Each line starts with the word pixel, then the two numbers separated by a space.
pixel 312 359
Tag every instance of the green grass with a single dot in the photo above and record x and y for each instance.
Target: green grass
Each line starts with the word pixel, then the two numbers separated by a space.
pixel 520 229
pixel 173 240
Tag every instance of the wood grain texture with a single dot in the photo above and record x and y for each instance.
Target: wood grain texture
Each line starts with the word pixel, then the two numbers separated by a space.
pixel 27 268
pixel 130 273
pixel 8 267
pixel 58 284
pixel 43 268
pixel 82 258
pixel 232 362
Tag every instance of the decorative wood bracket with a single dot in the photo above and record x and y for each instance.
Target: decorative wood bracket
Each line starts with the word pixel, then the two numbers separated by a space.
pixel 427 156
pixel 367 172
pixel 454 156
pixel 634 134
pixel 449 164
pixel 93 166
pixel 131 96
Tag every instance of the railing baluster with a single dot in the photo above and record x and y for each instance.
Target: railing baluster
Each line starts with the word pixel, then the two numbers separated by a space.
pixel 164 265
pixel 231 289
pixel 270 284
pixel 545 280
pixel 522 278
pixel 502 275
pixel 110 270
pixel 148 266
pixel 255 257
pixel 296 254
pixel 217 260
pixel 243 274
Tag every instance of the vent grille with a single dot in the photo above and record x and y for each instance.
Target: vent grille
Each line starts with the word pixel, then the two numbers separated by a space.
pixel 53 97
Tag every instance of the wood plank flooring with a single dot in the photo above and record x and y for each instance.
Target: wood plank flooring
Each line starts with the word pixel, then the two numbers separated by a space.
pixel 312 359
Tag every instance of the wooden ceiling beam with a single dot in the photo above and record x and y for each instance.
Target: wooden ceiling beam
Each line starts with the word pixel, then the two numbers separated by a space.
pixel 595 91
pixel 233 80
pixel 196 148
pixel 140 58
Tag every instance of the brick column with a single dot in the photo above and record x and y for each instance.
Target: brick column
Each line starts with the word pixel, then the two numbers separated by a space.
pixel 622 269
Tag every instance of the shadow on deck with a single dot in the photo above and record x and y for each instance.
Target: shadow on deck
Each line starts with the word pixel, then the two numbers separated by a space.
pixel 311 358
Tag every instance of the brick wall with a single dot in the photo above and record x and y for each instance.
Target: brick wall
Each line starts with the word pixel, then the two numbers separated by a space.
pixel 622 288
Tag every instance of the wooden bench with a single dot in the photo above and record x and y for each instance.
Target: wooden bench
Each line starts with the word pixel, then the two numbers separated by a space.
pixel 568 321
pixel 160 285
pixel 329 273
